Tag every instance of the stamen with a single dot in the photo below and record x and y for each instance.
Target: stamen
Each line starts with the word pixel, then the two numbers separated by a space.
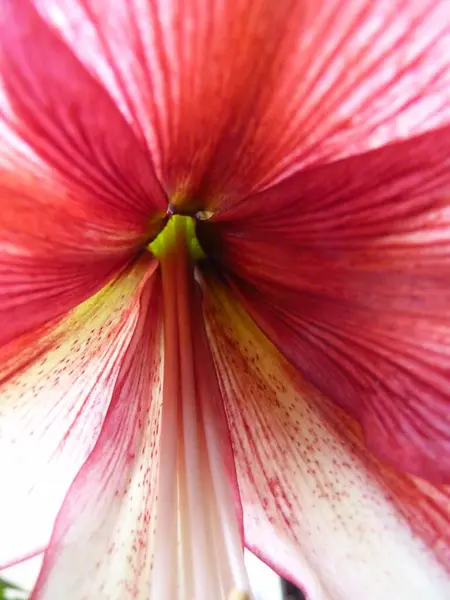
pixel 197 534
pixel 178 227
pixel 204 215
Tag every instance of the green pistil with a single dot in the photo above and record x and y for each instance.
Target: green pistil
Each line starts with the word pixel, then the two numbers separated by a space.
pixel 177 227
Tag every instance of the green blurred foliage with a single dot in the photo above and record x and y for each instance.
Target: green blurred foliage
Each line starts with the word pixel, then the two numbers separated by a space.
pixel 7 591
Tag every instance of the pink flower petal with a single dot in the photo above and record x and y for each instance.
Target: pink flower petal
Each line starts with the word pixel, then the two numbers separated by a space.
pixel 317 505
pixel 234 95
pixel 79 194
pixel 152 513
pixel 52 255
pixel 346 268
pixel 56 385
pixel 54 110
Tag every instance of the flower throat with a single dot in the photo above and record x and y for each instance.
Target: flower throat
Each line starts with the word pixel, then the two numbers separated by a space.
pixel 177 227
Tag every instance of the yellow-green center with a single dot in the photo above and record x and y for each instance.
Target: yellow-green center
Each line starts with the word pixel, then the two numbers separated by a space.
pixel 177 227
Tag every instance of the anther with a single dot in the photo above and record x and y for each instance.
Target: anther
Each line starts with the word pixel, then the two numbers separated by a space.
pixel 203 215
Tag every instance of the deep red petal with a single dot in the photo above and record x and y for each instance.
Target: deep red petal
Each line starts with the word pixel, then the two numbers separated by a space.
pixel 234 95
pixel 54 252
pixel 65 116
pixel 79 195
pixel 53 255
pixel 55 386
pixel 346 268
pixel 153 508
pixel 318 507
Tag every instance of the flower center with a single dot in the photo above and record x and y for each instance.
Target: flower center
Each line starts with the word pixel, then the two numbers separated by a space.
pixel 177 228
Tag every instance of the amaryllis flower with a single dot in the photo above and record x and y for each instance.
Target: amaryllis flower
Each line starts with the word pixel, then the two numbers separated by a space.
pixel 225 296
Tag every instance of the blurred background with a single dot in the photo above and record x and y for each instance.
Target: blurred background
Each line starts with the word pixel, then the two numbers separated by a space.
pixel 16 582
pixel 266 584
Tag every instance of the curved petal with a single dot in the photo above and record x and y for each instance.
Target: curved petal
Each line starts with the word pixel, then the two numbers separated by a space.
pixel 56 385
pixel 152 509
pixel 353 270
pixel 52 255
pixel 318 507
pixel 285 83
pixel 53 111
pixel 78 192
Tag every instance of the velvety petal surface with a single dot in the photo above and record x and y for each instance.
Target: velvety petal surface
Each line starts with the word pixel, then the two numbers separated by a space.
pixel 56 385
pixel 231 96
pixel 78 190
pixel 318 507
pixel 346 268
pixel 52 255
pixel 68 120
pixel 154 513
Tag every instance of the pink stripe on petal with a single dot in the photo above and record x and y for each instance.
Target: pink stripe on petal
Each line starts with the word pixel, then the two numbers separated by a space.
pixel 63 114
pixel 347 272
pixel 286 84
pixel 318 507
pixel 102 541
pixel 55 390
pixel 53 253
pixel 79 194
